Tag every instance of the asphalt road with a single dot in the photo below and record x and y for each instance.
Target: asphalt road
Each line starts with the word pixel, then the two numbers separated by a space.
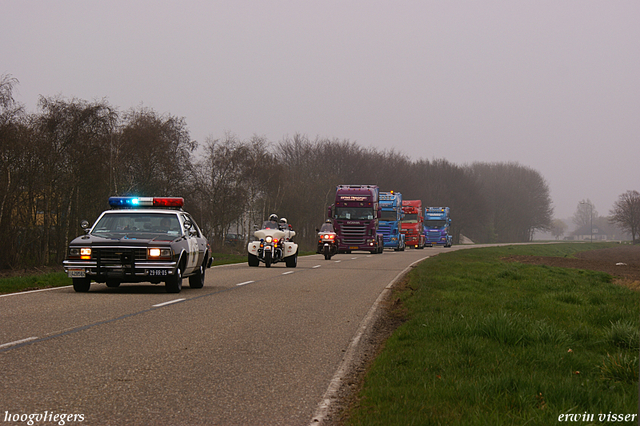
pixel 254 346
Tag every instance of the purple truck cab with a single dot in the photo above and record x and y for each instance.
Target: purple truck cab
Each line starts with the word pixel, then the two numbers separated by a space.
pixel 355 216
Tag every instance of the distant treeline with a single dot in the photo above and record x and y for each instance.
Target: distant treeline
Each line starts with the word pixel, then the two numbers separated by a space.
pixel 60 164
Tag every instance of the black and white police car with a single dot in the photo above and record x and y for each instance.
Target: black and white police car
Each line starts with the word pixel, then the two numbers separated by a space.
pixel 141 239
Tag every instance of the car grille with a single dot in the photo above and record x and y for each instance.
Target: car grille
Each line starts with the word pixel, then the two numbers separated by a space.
pixel 118 255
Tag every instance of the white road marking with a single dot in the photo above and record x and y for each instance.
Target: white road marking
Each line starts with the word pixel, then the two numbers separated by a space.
pixel 246 282
pixel 17 342
pixel 287 273
pixel 353 258
pixel 317 266
pixel 34 291
pixel 337 261
pixel 168 303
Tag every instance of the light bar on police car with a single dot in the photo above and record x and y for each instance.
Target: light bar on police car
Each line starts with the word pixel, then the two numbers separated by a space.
pixel 140 202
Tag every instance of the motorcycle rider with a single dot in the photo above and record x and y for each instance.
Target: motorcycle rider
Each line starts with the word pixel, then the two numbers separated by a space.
pixel 327 226
pixel 272 223
pixel 284 225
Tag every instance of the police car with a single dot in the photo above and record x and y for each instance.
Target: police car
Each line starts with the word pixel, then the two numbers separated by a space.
pixel 141 239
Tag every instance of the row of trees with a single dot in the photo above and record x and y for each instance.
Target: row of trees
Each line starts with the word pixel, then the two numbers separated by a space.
pixel 60 164
pixel 624 218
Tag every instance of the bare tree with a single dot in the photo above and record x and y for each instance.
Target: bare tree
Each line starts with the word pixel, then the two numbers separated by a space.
pixel 626 213
pixel 558 228
pixel 585 213
pixel 518 201
pixel 153 154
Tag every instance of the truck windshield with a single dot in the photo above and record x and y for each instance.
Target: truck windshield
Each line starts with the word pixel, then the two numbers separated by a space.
pixel 389 215
pixel 410 218
pixel 435 223
pixel 144 225
pixel 354 213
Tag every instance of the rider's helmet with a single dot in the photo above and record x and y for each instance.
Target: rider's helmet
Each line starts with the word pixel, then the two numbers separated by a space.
pixel 327 221
pixel 283 220
pixel 273 217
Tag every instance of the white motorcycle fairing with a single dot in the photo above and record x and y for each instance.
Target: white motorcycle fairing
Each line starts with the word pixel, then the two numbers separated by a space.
pixel 289 248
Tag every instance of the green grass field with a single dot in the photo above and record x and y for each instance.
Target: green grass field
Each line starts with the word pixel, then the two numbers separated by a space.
pixel 493 343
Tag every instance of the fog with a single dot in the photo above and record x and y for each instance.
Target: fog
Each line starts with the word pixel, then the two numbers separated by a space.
pixel 550 85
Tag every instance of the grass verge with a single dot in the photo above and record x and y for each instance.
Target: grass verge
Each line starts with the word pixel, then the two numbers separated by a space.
pixel 493 343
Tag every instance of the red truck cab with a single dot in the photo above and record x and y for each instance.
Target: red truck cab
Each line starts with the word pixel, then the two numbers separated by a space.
pixel 412 226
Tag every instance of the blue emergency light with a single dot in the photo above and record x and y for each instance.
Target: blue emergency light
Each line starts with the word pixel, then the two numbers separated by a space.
pixel 141 202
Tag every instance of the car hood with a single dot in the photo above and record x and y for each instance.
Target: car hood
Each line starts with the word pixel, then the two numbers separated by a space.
pixel 123 240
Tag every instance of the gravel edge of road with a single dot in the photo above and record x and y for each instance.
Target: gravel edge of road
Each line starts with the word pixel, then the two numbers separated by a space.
pixel 378 325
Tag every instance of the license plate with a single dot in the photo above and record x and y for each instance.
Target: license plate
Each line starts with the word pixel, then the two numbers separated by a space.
pixel 158 272
pixel 354 248
pixel 76 273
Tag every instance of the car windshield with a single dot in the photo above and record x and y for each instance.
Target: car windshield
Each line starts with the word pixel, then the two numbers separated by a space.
pixel 410 218
pixel 354 213
pixel 138 225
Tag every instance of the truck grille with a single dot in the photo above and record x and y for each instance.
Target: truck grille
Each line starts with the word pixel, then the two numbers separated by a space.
pixel 354 234
pixel 385 230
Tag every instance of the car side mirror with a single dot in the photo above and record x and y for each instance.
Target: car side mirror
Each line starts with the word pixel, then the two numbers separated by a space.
pixel 85 225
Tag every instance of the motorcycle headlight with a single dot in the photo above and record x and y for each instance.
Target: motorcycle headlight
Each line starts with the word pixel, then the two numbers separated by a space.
pixel 269 239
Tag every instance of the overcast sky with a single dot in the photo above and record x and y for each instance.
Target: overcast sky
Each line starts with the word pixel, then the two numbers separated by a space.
pixel 553 85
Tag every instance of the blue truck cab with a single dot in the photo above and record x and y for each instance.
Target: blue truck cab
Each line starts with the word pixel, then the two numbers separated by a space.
pixel 390 218
pixel 437 224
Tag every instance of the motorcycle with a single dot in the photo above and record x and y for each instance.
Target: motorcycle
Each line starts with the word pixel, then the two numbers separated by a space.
pixel 273 245
pixel 327 244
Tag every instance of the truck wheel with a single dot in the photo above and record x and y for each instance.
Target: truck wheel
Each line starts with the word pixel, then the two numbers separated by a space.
pixel 81 285
pixel 267 259
pixel 197 280
pixel 174 282
pixel 291 261
pixel 253 260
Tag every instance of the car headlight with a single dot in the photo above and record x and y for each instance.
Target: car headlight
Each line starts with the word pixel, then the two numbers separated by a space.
pixel 85 253
pixel 159 253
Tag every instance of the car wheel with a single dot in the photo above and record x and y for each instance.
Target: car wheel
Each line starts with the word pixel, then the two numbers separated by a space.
pixel 113 283
pixel 174 282
pixel 197 280
pixel 81 285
